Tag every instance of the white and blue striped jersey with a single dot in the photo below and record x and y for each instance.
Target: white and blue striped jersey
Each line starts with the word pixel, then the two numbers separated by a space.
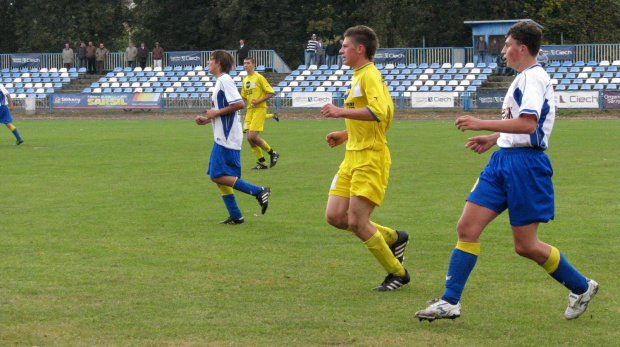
pixel 531 92
pixel 227 128
pixel 3 93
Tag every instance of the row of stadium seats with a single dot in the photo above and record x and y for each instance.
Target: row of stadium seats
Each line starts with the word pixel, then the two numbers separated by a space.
pixel 42 70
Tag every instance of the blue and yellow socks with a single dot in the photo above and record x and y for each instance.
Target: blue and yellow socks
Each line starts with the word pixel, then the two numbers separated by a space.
pixel 15 132
pixel 246 187
pixel 231 203
pixel 462 262
pixel 562 271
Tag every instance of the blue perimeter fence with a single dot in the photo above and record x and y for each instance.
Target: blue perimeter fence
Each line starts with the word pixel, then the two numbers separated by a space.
pixel 273 62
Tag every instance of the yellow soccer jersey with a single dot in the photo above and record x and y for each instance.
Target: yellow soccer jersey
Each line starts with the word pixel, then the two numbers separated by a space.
pixel 368 90
pixel 255 87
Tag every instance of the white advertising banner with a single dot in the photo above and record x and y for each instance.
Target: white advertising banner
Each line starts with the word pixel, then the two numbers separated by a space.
pixel 432 99
pixel 576 99
pixel 311 99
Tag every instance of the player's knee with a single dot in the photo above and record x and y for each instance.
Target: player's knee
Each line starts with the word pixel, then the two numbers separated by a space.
pixel 336 220
pixel 524 251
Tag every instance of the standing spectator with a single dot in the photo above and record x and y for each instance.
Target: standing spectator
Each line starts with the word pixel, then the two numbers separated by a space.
pixel 91 50
pixel 143 55
pixel 338 48
pixel 158 55
pixel 517 178
pixel 331 51
pixel 320 53
pixel 242 52
pixel 311 51
pixel 130 55
pixel 6 105
pixel 542 58
pixel 100 55
pixel 67 56
pixel 225 161
pixel 359 185
pixel 82 55
pixel 495 50
pixel 481 49
pixel 255 91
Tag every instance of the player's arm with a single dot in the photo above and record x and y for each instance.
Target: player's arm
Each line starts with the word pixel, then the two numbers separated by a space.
pixel 226 110
pixel 9 101
pixel 263 99
pixel 337 138
pixel 526 123
pixel 333 111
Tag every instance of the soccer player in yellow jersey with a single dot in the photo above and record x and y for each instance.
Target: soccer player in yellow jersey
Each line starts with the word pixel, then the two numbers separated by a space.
pixel 359 185
pixel 255 92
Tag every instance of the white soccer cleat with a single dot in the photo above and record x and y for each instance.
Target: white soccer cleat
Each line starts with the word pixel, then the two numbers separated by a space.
pixel 577 304
pixel 439 309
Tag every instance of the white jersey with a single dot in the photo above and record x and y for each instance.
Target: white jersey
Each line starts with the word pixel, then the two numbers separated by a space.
pixel 227 128
pixel 531 92
pixel 3 93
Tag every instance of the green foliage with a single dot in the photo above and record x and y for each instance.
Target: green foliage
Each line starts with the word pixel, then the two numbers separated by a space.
pixel 286 25
pixel 110 238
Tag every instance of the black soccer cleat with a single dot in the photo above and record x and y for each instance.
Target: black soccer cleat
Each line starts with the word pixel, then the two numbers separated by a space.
pixel 398 248
pixel 259 166
pixel 231 220
pixel 19 142
pixel 274 159
pixel 275 116
pixel 263 199
pixel 393 282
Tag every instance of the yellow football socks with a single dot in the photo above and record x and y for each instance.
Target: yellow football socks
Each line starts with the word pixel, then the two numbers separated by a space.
pixel 377 246
pixel 469 247
pixel 265 146
pixel 553 261
pixel 388 234
pixel 258 153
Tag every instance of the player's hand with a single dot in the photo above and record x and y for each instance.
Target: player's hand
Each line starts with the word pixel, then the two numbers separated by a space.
pixel 202 120
pixel 336 138
pixel 480 144
pixel 255 103
pixel 468 122
pixel 330 111
pixel 212 114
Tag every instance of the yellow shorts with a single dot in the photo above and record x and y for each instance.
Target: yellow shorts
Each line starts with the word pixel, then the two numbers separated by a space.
pixel 363 173
pixel 255 119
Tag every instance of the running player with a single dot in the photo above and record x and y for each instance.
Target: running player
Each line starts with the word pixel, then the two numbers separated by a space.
pixel 517 178
pixel 6 106
pixel 359 186
pixel 255 91
pixel 225 161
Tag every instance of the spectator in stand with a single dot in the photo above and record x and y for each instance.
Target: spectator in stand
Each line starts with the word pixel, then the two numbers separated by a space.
pixel 91 50
pixel 100 55
pixel 130 55
pixel 481 49
pixel 331 51
pixel 338 47
pixel 495 50
pixel 158 55
pixel 320 53
pixel 542 58
pixel 242 52
pixel 67 56
pixel 311 50
pixel 82 55
pixel 143 55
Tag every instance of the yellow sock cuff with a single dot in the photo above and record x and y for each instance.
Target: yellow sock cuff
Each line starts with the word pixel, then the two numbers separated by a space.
pixel 11 127
pixel 258 152
pixel 226 190
pixel 553 261
pixel 469 247
pixel 265 146
pixel 374 240
pixel 388 234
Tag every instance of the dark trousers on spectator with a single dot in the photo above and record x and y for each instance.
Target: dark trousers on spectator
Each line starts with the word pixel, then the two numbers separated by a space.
pixel 142 64
pixel 67 66
pixel 100 67
pixel 131 64
pixel 91 66
pixel 82 63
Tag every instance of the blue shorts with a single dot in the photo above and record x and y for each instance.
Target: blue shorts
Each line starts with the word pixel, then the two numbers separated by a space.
pixel 224 162
pixel 5 115
pixel 518 179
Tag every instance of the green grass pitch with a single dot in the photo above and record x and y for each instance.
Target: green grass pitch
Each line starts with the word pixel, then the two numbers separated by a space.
pixel 109 237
